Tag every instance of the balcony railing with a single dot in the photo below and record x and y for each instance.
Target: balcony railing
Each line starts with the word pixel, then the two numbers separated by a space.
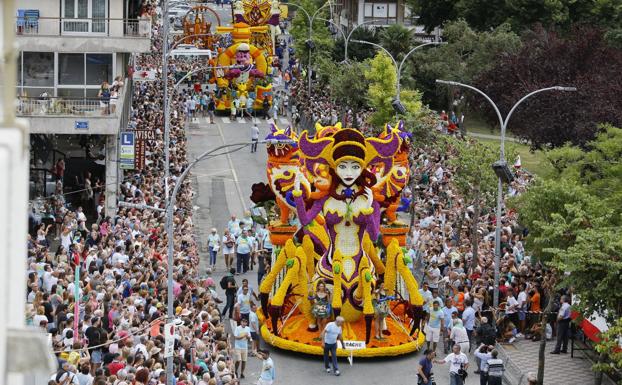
pixel 57 106
pixel 96 27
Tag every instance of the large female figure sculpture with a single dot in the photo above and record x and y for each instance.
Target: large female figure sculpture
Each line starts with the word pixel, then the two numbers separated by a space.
pixel 333 194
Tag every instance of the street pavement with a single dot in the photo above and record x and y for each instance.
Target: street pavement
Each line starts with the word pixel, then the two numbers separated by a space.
pixel 223 187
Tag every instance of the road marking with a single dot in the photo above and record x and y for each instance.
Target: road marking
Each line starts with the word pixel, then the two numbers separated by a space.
pixel 226 120
pixel 235 175
pixel 241 119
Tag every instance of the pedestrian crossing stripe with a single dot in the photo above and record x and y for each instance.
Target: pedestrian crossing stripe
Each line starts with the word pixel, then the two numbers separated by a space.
pixel 240 120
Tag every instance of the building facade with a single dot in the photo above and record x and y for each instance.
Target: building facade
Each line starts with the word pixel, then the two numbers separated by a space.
pixel 68 50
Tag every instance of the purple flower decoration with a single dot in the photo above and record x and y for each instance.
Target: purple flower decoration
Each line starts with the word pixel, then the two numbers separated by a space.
pixel 233 73
pixel 257 73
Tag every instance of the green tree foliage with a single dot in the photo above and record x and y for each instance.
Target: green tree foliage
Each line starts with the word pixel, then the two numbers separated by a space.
pixel 321 36
pixel 475 179
pixel 466 54
pixel 581 59
pixel 484 15
pixel 396 39
pixel 349 85
pixel 382 78
pixel 574 217
pixel 433 13
pixel 609 347
pixel 356 52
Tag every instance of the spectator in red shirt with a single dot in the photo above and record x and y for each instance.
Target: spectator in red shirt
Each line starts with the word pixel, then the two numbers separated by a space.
pixel 116 364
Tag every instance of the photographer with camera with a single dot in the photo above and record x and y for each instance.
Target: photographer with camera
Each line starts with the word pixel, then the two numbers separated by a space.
pixel 483 354
pixel 424 373
pixel 458 365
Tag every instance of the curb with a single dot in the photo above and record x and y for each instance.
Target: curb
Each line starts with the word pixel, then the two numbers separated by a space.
pixel 513 374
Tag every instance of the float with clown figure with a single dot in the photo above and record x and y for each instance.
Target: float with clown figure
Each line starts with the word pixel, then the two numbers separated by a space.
pixel 252 37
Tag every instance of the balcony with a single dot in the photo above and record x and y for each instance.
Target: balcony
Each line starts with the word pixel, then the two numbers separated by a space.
pixel 60 115
pixel 83 35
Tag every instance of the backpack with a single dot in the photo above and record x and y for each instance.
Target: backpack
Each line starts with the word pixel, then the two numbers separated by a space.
pixel 223 282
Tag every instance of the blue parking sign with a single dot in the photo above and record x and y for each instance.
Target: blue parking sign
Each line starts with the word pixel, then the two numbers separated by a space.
pixel 127 139
pixel 127 151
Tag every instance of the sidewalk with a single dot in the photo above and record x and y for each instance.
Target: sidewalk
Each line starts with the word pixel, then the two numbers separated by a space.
pixel 521 357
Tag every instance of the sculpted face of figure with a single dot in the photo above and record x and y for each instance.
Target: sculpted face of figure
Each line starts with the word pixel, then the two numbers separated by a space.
pixel 242 55
pixel 348 171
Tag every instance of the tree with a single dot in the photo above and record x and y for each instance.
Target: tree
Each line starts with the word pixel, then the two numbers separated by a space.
pixel 321 37
pixel 396 39
pixel 584 60
pixel 466 54
pixel 475 180
pixel 433 13
pixel 349 85
pixel 382 78
pixel 573 218
pixel 609 348
pixel 357 52
pixel 484 15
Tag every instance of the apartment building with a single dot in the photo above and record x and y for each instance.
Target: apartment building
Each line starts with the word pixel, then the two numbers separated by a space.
pixel 67 50
pixel 380 13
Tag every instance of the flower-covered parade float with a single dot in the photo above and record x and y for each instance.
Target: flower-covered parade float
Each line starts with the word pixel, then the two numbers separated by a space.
pixel 252 45
pixel 338 243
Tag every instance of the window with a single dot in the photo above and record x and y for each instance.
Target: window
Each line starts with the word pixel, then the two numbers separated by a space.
pixel 85 16
pixel 98 68
pixel 381 13
pixel 70 68
pixel 38 69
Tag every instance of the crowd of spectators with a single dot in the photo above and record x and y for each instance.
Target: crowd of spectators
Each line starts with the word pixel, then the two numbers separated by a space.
pixel 114 268
pixel 306 111
pixel 441 246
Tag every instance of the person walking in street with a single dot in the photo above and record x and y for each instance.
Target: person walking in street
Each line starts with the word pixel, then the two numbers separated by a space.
pixel 244 302
pixel 211 109
pixel 330 335
pixel 213 244
pixel 254 137
pixel 424 371
pixel 495 368
pixel 563 327
pixel 434 325
pixel 243 252
pixel 229 285
pixel 268 374
pixel 483 354
pixel 458 364
pixel 228 248
pixel 468 320
pixel 242 335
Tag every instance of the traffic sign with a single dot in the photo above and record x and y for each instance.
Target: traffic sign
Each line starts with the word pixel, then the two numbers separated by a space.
pixel 127 151
pixel 169 339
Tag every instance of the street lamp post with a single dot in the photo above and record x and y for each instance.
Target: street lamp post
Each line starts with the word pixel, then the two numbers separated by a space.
pixel 398 68
pixel 503 124
pixel 347 39
pixel 166 50
pixel 310 19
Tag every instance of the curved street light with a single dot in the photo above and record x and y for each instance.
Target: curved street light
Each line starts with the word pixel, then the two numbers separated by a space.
pixel 503 123
pixel 310 19
pixel 398 68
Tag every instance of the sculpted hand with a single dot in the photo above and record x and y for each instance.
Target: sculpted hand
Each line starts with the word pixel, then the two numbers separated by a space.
pixel 370 197
pixel 297 182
